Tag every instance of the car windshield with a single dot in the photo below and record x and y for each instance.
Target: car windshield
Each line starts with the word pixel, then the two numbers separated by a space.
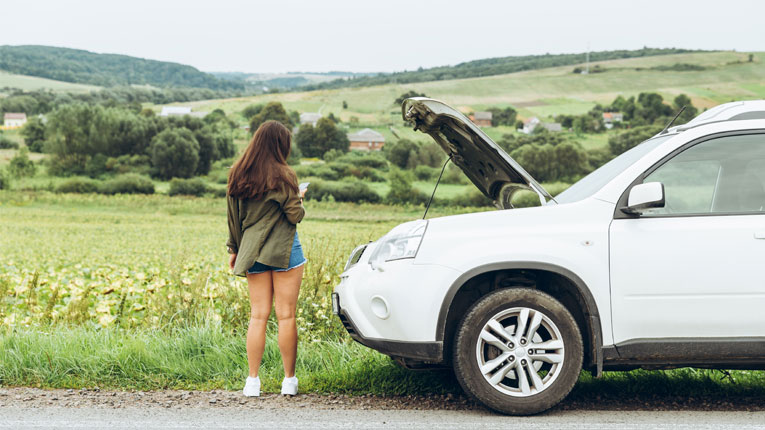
pixel 591 183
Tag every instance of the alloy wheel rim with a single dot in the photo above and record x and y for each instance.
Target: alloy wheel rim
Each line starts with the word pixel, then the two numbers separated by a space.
pixel 520 352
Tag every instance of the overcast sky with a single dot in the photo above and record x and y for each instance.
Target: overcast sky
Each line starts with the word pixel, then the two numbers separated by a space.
pixel 369 36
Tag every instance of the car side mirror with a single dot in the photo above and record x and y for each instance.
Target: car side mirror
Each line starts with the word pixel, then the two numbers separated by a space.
pixel 644 196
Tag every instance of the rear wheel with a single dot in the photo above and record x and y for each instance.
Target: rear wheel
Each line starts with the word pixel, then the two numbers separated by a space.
pixel 518 351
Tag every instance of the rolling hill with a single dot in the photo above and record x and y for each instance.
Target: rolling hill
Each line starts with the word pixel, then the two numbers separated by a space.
pixel 719 77
pixel 493 66
pixel 84 67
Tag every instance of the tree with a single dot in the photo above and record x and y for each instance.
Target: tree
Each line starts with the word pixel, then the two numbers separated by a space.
pixel 690 111
pixel 630 138
pixel 565 161
pixel 174 153
pixel 407 95
pixel 251 110
pixel 316 141
pixel 650 107
pixel 34 134
pixel 208 151
pixel 400 152
pixel 272 111
pixel 504 116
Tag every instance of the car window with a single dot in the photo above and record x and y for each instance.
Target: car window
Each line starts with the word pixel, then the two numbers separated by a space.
pixel 723 175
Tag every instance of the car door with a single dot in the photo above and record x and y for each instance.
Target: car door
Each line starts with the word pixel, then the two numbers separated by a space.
pixel 694 268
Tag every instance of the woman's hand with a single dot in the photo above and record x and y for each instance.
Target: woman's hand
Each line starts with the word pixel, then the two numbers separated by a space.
pixel 302 193
pixel 232 261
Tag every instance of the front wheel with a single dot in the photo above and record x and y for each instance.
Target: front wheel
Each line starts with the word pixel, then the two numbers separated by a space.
pixel 518 351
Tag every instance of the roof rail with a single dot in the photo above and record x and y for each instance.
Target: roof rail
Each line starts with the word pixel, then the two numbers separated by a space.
pixel 733 111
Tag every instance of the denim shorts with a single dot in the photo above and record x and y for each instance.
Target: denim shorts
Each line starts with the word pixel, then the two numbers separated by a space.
pixel 296 260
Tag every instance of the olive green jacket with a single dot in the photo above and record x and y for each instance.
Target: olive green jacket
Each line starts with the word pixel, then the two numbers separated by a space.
pixel 263 230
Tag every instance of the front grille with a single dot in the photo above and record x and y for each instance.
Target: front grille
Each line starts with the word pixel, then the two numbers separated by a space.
pixel 347 324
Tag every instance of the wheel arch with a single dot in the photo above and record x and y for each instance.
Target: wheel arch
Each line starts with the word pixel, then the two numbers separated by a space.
pixel 557 281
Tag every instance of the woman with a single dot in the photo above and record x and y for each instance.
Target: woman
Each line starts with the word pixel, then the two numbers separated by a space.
pixel 264 206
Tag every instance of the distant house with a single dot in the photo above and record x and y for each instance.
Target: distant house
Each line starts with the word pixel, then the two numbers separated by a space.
pixel 530 125
pixel 482 119
pixel 609 118
pixel 14 120
pixel 366 140
pixel 309 118
pixel 175 110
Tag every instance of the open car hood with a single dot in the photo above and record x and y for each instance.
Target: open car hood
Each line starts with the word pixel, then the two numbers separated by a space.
pixel 489 167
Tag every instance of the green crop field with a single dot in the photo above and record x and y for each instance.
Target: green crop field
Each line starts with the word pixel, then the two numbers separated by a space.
pixel 31 83
pixel 547 92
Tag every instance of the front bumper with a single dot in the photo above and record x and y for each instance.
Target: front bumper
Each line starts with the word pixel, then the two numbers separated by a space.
pixel 432 352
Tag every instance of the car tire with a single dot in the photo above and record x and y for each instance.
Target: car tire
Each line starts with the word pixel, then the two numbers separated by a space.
pixel 526 375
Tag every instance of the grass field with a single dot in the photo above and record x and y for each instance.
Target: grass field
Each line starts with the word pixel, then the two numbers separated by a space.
pixel 542 93
pixel 132 292
pixel 31 83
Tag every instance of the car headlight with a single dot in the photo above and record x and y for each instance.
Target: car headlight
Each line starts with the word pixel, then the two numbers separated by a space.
pixel 401 242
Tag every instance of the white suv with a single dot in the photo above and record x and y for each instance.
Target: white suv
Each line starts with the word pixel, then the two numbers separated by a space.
pixel 654 260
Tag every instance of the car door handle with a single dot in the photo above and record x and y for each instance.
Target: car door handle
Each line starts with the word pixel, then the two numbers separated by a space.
pixel 759 234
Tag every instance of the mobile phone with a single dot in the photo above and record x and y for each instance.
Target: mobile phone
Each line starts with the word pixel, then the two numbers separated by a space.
pixel 303 186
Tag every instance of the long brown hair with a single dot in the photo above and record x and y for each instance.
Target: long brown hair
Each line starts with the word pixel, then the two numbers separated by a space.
pixel 263 165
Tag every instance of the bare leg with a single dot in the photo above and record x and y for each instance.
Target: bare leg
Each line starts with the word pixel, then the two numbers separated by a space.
pixel 261 296
pixel 286 290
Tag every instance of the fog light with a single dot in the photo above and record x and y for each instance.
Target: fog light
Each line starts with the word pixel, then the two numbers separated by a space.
pixel 380 307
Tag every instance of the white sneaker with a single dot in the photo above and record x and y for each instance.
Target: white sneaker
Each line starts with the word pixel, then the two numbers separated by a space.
pixel 252 387
pixel 290 386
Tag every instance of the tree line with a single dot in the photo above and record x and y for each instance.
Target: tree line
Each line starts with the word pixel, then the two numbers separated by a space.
pixel 79 66
pixel 94 140
pixel 490 67
pixel 43 101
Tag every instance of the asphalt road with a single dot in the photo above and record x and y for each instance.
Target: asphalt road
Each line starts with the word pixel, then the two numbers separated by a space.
pixel 18 418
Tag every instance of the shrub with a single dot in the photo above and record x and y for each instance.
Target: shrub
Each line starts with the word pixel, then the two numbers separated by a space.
pixel 401 190
pixel 129 183
pixel 21 165
pixel 346 191
pixel 324 172
pixel 4 180
pixel 374 160
pixel 140 164
pixel 6 143
pixel 96 165
pixel 78 185
pixel 187 187
pixel 425 173
pixel 367 173
pixel 332 155
pixel 470 198
pixel 454 175
pixel 343 169
pixel 218 192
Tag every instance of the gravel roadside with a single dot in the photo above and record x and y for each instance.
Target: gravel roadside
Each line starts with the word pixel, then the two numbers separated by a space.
pixel 96 398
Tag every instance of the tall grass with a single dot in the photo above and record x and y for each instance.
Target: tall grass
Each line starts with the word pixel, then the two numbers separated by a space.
pixel 203 356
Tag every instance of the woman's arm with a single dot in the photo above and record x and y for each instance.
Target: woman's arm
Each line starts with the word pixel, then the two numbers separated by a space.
pixel 293 207
pixel 234 227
